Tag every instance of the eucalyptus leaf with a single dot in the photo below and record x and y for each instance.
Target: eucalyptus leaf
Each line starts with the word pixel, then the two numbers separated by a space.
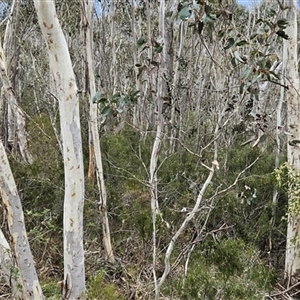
pixel 268 64
pixel 282 34
pixel 185 13
pixel 221 33
pixel 140 42
pixel 106 111
pixel 242 88
pixel 295 142
pixel 246 73
pixel 256 94
pixel 97 97
pixel 233 62
pixel 282 23
pixel 230 43
pixel 241 43
pixel 158 49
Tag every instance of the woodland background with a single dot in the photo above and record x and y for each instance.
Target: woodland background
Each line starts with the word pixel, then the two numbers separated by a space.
pixel 222 104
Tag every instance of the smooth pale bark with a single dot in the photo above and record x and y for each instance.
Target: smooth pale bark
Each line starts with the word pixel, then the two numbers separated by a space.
pixel 112 16
pixel 292 260
pixel 173 121
pixel 66 93
pixel 157 142
pixel 19 242
pixel 164 74
pixel 279 129
pixel 87 23
pixel 137 118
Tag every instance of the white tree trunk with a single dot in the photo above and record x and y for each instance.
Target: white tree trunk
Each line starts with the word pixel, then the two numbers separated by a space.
pixel 157 141
pixel 93 119
pixel 173 120
pixel 66 93
pixel 19 242
pixel 279 129
pixel 292 262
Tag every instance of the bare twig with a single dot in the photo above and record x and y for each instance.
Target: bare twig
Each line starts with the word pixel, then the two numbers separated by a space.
pixel 238 176
pixel 286 290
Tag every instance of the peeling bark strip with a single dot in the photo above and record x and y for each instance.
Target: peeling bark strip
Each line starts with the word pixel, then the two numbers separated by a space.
pixel 66 93
pixel 15 219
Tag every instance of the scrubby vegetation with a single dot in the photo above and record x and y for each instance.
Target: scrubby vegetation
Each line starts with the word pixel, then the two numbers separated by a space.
pixel 230 250
pixel 234 246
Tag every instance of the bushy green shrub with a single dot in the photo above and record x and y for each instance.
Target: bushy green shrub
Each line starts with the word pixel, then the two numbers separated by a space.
pixel 100 289
pixel 51 289
pixel 228 270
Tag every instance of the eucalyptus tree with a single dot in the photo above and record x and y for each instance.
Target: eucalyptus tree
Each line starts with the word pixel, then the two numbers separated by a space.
pixel 263 70
pixel 94 140
pixel 163 76
pixel 292 260
pixel 24 267
pixel 17 262
pixel 65 90
pixel 222 76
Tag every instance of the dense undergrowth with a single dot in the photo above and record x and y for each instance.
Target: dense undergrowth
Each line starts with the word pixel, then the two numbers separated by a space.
pixel 233 248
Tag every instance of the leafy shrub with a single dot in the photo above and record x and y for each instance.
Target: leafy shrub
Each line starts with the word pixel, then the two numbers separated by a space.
pixel 228 270
pixel 99 289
